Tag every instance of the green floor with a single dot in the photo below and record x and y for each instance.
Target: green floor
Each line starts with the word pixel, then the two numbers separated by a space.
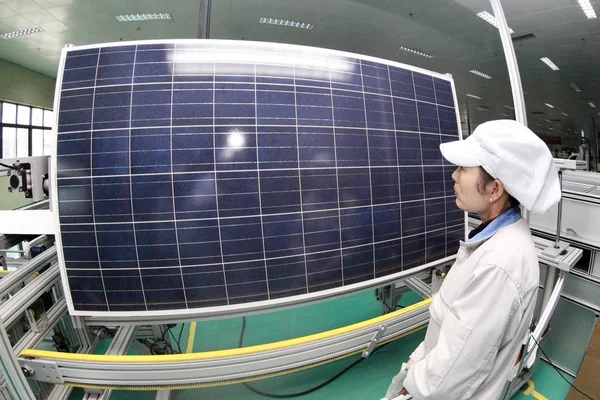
pixel 368 380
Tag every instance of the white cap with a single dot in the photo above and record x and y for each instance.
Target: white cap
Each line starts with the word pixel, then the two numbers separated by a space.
pixel 513 154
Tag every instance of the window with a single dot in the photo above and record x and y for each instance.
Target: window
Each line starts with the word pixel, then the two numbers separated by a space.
pixel 9 142
pixel 25 131
pixel 23 115
pixel 9 113
pixel 41 142
pixel 37 117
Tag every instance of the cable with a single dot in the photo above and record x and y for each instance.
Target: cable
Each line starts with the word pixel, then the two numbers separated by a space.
pixel 298 394
pixel 557 370
pixel 178 341
pixel 8 166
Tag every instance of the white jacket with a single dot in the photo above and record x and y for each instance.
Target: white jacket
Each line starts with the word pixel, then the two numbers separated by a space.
pixel 479 319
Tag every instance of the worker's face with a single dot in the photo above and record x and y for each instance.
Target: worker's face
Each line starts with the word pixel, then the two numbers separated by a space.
pixel 468 197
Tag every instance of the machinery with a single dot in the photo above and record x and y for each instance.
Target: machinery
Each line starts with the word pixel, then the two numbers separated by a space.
pixel 27 176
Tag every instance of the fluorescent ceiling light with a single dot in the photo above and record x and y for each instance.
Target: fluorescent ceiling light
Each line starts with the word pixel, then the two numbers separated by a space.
pixel 22 32
pixel 489 18
pixel 473 96
pixel 284 22
pixel 509 107
pixel 549 63
pixel 565 114
pixel 481 74
pixel 141 17
pixel 592 104
pixel 587 9
pixel 548 105
pixel 574 86
pixel 482 109
pixel 417 52
pixel 505 115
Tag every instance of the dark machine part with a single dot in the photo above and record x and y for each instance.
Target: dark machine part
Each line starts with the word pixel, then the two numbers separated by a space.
pixel 20 179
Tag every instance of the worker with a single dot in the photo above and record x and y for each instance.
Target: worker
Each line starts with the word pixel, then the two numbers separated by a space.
pixel 484 308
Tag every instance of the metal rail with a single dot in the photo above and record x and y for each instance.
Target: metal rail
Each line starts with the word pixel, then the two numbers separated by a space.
pixel 12 282
pixel 226 366
pixel 14 307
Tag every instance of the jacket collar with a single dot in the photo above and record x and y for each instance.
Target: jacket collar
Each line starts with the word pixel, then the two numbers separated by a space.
pixel 507 218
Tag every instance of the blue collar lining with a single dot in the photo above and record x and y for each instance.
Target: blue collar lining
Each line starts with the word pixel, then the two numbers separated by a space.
pixel 509 217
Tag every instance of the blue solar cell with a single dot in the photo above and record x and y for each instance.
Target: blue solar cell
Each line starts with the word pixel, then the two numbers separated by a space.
pixel 224 182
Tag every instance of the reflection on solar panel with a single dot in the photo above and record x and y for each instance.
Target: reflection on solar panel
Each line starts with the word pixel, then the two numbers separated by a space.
pixel 205 173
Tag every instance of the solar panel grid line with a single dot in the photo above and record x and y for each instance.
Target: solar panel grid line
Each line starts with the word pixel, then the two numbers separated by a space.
pixel 92 203
pixel 369 163
pixel 238 217
pixel 351 135
pixel 437 230
pixel 217 197
pixel 440 130
pixel 422 161
pixel 337 181
pixel 397 162
pixel 262 226
pixel 172 183
pixel 300 179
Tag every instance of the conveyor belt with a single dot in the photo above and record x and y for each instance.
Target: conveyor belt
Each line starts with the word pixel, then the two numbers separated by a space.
pixel 179 371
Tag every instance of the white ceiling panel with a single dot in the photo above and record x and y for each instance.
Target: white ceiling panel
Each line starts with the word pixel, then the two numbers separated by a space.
pixel 6 12
pixel 121 7
pixel 37 17
pixel 52 3
pixel 53 27
pixel 17 22
pixel 64 12
pixel 22 6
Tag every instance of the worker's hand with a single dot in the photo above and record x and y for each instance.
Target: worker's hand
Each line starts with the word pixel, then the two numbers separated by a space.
pixel 397 385
pixel 409 363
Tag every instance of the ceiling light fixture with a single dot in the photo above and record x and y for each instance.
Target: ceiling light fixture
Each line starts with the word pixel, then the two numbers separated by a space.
pixel 505 115
pixel 549 63
pixel 574 86
pixel 22 32
pixel 587 8
pixel 592 104
pixel 489 18
pixel 482 109
pixel 509 107
pixel 417 52
pixel 548 105
pixel 284 22
pixel 473 96
pixel 141 17
pixel 565 114
pixel 486 76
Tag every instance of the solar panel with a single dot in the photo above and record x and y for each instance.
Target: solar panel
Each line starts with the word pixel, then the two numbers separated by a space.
pixel 193 174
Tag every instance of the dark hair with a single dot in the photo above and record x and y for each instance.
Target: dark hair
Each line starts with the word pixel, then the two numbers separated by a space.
pixel 485 179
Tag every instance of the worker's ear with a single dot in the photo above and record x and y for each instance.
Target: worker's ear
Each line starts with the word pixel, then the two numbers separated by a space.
pixel 497 188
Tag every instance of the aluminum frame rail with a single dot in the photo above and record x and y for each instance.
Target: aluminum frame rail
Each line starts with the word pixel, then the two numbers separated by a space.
pixel 12 282
pixel 12 309
pixel 179 371
pixel 119 345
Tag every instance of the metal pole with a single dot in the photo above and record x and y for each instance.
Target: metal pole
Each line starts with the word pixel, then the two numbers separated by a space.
pixel 549 284
pixel 513 69
pixel 559 218
pixel 511 62
pixel 16 382
pixel 204 19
